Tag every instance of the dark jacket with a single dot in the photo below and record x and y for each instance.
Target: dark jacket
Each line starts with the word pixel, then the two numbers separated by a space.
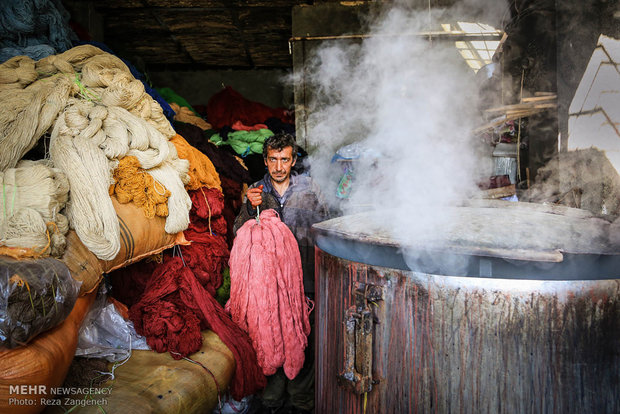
pixel 301 205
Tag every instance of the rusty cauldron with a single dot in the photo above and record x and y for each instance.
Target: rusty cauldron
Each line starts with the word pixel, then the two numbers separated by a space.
pixel 475 324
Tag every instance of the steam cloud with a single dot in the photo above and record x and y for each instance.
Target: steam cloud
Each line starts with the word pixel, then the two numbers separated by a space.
pixel 412 102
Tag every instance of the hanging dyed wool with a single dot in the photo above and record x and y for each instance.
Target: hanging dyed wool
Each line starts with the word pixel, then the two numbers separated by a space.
pixel 133 183
pixel 174 309
pixel 178 298
pixel 201 170
pixel 207 232
pixel 267 294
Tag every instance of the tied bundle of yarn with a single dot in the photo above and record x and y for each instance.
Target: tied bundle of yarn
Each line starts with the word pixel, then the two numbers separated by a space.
pixel 100 75
pixel 112 80
pixel 134 184
pixel 267 297
pixel 168 112
pixel 201 170
pixel 227 106
pixel 226 164
pixel 28 113
pixel 206 232
pixel 84 72
pixel 87 141
pixel 34 28
pixel 100 114
pixel 186 115
pixel 243 142
pixel 33 194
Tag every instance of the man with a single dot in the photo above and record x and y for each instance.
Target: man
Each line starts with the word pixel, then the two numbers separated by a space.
pixel 300 204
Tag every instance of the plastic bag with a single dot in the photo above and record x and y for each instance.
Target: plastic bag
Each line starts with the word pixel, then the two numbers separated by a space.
pixel 228 405
pixel 35 296
pixel 106 334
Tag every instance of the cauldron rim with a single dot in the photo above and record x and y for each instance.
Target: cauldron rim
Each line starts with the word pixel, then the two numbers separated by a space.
pixel 585 261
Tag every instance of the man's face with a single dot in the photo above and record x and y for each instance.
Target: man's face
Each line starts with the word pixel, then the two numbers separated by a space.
pixel 279 163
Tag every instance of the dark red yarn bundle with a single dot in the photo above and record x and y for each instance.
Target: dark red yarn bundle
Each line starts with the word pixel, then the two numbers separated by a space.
pixel 227 106
pixel 232 204
pixel 267 293
pixel 178 295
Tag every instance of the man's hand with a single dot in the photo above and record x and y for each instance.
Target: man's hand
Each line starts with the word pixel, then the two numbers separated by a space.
pixel 254 196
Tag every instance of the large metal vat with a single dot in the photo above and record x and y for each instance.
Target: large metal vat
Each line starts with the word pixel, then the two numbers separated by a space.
pixel 532 328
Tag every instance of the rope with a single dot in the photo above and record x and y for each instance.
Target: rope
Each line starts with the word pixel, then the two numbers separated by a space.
pixel 217 385
pixel 519 131
pixel 84 91
pixel 209 207
pixel 176 251
pixel 430 24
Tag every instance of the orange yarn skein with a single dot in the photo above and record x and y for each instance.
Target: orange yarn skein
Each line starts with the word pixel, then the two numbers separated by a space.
pixel 202 172
pixel 133 183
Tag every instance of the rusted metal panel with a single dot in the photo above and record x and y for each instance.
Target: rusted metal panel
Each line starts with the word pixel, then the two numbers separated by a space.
pixel 447 344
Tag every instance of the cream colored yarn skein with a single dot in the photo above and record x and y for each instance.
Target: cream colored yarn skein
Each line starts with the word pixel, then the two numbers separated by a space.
pixel 172 174
pixel 27 114
pixel 74 149
pixel 32 196
pixel 110 78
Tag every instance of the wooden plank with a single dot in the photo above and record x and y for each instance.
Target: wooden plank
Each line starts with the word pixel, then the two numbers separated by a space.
pixel 266 19
pixel 224 49
pixel 152 49
pixel 274 3
pixel 186 3
pixel 130 23
pixel 203 21
pixel 539 98
pixel 118 4
pixel 500 192
pixel 328 19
